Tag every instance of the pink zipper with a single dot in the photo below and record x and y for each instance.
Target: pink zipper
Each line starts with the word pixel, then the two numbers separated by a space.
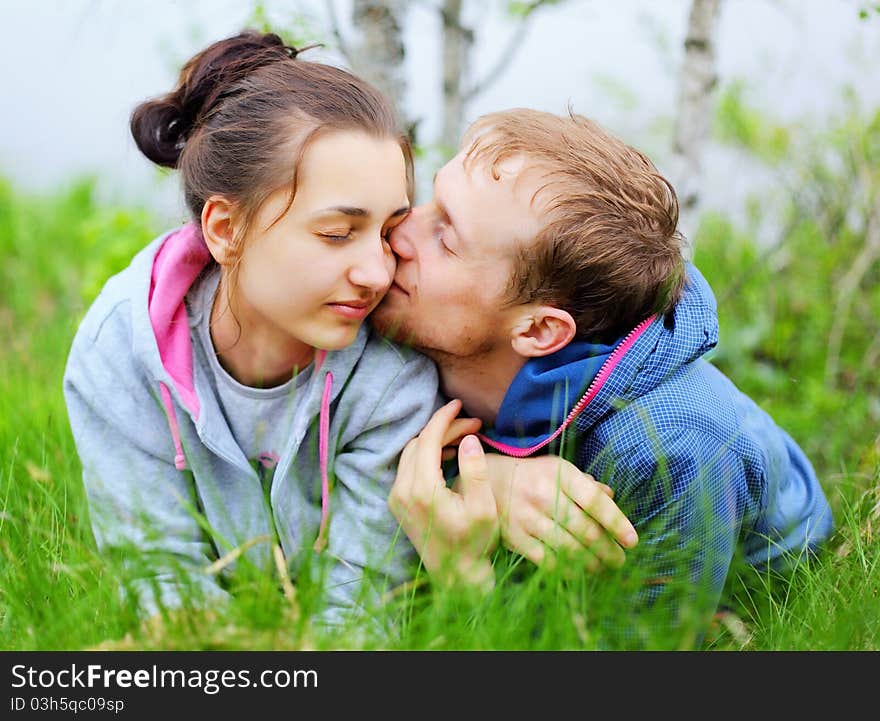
pixel 595 386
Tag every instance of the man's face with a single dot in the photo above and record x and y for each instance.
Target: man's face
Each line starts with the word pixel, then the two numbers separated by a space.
pixel 455 258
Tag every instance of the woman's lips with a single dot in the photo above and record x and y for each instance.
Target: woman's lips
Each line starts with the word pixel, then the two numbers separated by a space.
pixel 352 311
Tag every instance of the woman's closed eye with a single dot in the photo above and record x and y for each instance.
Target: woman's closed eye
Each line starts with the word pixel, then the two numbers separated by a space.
pixel 336 236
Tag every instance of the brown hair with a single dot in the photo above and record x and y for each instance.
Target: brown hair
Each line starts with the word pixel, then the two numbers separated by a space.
pixel 242 115
pixel 609 252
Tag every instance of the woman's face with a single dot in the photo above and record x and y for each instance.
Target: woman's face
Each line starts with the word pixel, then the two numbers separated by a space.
pixel 315 273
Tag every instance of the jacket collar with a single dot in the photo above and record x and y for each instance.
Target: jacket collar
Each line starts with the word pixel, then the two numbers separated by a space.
pixel 547 390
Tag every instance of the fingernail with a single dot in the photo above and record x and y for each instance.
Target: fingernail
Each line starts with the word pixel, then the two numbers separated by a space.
pixel 631 538
pixel 469 446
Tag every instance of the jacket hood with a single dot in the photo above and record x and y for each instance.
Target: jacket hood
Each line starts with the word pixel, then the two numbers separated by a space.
pixel 179 261
pixel 164 273
pixel 584 380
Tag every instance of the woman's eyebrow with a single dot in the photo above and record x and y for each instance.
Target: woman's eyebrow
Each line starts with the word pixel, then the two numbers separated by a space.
pixel 344 210
pixel 358 212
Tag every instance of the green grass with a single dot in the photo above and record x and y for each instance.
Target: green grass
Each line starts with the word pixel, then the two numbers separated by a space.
pixel 58 592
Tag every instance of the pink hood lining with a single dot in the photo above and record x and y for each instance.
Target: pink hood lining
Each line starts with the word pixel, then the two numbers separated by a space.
pixel 180 260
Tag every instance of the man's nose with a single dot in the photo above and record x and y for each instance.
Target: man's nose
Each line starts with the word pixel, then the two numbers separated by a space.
pixel 403 237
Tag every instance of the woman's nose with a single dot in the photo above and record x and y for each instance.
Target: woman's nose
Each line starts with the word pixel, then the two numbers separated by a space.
pixel 375 269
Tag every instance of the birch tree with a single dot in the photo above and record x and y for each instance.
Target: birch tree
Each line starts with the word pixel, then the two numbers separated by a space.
pixel 459 88
pixel 376 49
pixel 457 43
pixel 698 79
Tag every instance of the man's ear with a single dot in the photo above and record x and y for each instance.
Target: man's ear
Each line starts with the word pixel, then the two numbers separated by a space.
pixel 542 330
pixel 218 229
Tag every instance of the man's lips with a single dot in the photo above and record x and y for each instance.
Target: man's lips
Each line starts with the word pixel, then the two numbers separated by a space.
pixel 396 287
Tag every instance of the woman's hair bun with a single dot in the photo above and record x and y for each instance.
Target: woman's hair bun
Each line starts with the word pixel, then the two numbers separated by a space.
pixel 160 127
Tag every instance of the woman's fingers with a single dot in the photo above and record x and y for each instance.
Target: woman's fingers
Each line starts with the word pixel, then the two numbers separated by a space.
pixel 459 428
pixel 419 472
pixel 425 469
pixel 452 531
pixel 479 501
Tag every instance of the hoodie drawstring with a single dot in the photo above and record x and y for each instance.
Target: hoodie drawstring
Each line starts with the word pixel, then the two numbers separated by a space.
pixel 323 444
pixel 179 458
pixel 323 433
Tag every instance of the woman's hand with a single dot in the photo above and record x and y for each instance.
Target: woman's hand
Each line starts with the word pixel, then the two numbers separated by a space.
pixel 547 506
pixel 453 531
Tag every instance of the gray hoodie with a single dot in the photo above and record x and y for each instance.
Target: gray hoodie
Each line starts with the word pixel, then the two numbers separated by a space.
pixel 164 474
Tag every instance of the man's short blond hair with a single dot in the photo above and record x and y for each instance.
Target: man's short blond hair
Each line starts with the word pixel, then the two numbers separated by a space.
pixel 609 252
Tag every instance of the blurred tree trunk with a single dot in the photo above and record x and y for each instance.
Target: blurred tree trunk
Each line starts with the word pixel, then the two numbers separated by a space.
pixel 698 79
pixel 458 41
pixel 377 52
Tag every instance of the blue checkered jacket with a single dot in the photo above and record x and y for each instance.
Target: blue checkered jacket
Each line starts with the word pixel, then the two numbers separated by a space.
pixel 701 471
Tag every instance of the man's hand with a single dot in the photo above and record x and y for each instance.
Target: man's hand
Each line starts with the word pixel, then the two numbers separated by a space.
pixel 546 506
pixel 453 531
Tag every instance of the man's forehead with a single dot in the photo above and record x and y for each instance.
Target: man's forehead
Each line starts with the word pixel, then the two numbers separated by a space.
pixel 513 185
pixel 492 217
pixel 516 175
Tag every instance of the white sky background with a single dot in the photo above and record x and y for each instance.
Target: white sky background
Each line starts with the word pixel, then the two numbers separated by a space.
pixel 74 69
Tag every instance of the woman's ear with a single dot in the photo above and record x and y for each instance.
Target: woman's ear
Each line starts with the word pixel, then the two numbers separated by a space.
pixel 218 229
pixel 542 330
